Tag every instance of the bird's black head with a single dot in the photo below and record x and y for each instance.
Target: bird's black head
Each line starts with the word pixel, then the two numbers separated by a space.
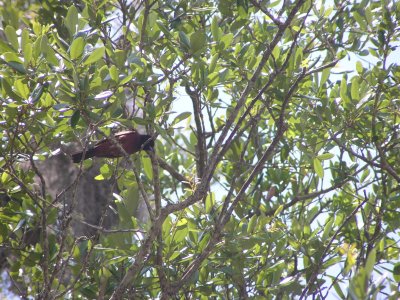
pixel 147 141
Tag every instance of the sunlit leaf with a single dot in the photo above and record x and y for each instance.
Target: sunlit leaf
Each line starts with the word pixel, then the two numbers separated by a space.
pixel 77 47
pixel 96 55
pixel 355 89
pixel 182 116
pixel 318 168
pixel 103 95
pixel 71 20
pixel 148 170
pixel 325 156
pixel 12 36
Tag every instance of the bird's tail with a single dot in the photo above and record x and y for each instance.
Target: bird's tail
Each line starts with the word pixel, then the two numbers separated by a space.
pixel 78 157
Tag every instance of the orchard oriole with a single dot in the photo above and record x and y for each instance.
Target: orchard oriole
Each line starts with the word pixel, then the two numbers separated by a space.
pixel 131 141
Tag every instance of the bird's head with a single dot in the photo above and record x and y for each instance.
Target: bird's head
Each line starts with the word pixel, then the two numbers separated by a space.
pixel 146 142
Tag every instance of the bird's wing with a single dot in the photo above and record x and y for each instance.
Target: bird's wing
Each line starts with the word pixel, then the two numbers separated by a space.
pixel 119 135
pixel 126 132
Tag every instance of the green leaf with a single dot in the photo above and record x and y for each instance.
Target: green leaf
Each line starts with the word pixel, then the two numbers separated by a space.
pixel 243 7
pixel 12 57
pixel 75 119
pixel 197 41
pixel 105 170
pixel 48 52
pixel 44 45
pixel 27 51
pixel 325 156
pixel 37 48
pixel 360 20
pixel 99 177
pixel 140 121
pixel 184 40
pixel 113 71
pixel 181 117
pixel 365 175
pixel 5 177
pixel 371 260
pixel 215 30
pixel 126 79
pixel 25 38
pixel 327 229
pixel 182 230
pixel 343 89
pixel 119 58
pixel 97 54
pixel 12 36
pixel 21 89
pixel 51 57
pixel 132 198
pixel 213 79
pixel 276 52
pixel 252 224
pixel 71 21
pixel 173 255
pixel 213 63
pixel 355 88
pixel 77 47
pixel 381 37
pixel 6 88
pixel 88 291
pixel 287 281
pixel 339 291
pixel 226 40
pixel 26 46
pixel 359 67
pixel 324 76
pixel 63 45
pixel 278 210
pixel 148 170
pixel 396 272
pixel 4 47
pixel 17 67
pixel 210 202
pixel 318 168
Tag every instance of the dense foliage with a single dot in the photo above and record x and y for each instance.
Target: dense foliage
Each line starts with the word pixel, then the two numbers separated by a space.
pixel 276 172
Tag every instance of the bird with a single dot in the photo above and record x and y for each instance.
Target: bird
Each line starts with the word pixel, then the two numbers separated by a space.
pixel 131 141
